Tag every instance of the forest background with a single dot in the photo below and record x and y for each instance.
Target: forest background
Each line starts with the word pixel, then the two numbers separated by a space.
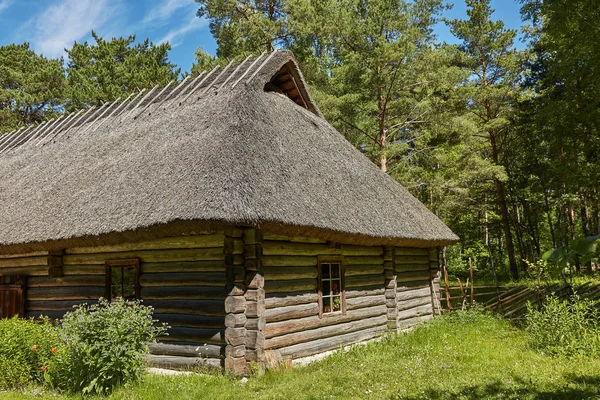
pixel 502 144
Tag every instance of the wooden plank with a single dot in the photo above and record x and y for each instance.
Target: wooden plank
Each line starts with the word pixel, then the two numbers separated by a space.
pixel 288 273
pixel 206 335
pixel 295 325
pixel 277 300
pixel 54 305
pixel 183 266
pixel 66 293
pixel 351 260
pixel 413 293
pixel 191 321
pixel 412 285
pixel 182 363
pixel 207 350
pixel 291 286
pixel 289 261
pixel 286 248
pixel 78 280
pixel 402 268
pixel 99 269
pixel 184 279
pixel 360 291
pixel 356 270
pixel 307 335
pixel 24 255
pixel 206 254
pixel 362 302
pixel 24 262
pixel 211 240
pixel 411 251
pixel 415 312
pixel 30 271
pixel 331 343
pixel 291 312
pixel 413 303
pixel 183 292
pixel 364 280
pixel 188 307
pixel 413 276
pixel 415 260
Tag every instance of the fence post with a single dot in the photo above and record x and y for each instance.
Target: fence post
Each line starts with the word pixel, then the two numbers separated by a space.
pixel 472 282
pixel 449 305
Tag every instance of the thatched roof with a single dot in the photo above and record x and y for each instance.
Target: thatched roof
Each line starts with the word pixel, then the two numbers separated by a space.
pixel 246 146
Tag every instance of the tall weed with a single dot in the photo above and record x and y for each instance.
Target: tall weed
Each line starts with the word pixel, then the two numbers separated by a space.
pixel 26 347
pixel 565 327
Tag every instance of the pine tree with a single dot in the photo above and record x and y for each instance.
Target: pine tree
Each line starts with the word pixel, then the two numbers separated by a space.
pixel 31 86
pixel 104 71
pixel 489 55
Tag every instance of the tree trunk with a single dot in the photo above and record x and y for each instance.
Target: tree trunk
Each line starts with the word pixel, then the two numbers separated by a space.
pixel 585 224
pixel 519 235
pixel 571 218
pixel 514 271
pixel 533 231
pixel 549 215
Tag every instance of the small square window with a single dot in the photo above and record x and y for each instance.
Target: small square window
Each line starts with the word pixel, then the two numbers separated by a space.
pixel 122 279
pixel 332 296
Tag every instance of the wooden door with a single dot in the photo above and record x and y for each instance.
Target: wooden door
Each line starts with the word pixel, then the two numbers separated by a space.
pixel 12 297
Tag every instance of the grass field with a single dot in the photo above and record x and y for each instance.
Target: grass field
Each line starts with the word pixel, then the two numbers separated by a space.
pixel 463 355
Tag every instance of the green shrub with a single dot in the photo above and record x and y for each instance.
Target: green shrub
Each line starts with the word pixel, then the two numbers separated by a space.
pixel 104 346
pixel 26 347
pixel 565 327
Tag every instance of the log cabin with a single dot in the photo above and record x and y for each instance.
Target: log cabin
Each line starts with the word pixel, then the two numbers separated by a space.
pixel 230 205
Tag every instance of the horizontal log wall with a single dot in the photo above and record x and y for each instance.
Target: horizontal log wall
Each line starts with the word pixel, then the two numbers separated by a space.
pixel 293 327
pixel 30 264
pixel 183 278
pixel 414 296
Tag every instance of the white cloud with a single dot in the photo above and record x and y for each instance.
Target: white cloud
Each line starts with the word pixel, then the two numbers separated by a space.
pixel 4 4
pixel 193 25
pixel 162 12
pixel 59 25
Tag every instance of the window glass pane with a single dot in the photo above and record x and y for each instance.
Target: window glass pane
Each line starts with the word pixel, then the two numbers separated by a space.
pixel 335 270
pixel 337 303
pixel 116 276
pixel 325 271
pixel 335 287
pixel 326 304
pixel 115 291
pixel 129 292
pixel 326 288
pixel 128 276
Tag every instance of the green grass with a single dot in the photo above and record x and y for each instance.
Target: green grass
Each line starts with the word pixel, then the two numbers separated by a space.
pixel 463 355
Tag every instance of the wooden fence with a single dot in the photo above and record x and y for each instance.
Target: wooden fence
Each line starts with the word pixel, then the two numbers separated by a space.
pixel 512 302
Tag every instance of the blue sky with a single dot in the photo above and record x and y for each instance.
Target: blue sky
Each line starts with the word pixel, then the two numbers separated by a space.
pixel 51 25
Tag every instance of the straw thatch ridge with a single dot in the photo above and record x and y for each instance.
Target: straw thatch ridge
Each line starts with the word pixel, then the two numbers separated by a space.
pixel 235 156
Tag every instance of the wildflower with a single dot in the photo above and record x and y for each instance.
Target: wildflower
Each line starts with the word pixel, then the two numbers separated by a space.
pixel 53 351
pixel 34 347
pixel 44 368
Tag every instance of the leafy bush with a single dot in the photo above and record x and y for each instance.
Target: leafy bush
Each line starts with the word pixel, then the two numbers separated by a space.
pixel 104 346
pixel 565 327
pixel 25 349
